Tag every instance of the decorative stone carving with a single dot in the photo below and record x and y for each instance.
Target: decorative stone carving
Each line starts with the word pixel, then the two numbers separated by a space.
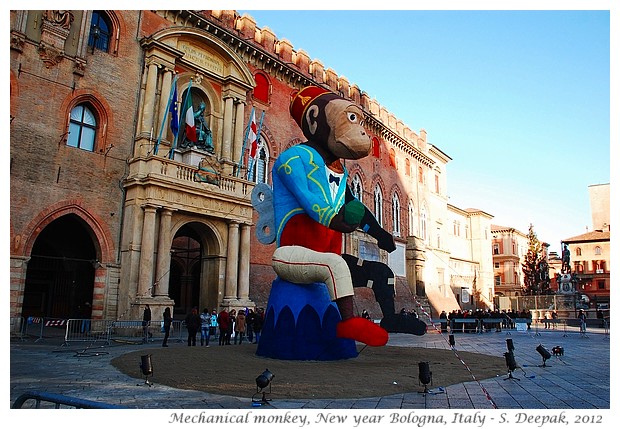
pixel 55 29
pixel 59 18
pixel 50 55
pixel 17 41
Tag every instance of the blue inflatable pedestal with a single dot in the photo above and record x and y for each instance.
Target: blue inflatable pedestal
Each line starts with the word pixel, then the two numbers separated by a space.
pixel 300 324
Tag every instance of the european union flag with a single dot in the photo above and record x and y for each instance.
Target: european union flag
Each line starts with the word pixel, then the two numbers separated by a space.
pixel 174 114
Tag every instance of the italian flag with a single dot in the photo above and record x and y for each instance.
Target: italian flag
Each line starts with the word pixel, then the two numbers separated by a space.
pixel 190 126
pixel 252 136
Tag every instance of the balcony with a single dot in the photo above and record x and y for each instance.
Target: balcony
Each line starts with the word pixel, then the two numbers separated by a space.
pixel 165 182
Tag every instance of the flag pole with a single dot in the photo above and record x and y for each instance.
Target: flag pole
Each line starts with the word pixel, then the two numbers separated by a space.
pixel 174 143
pixel 161 128
pixel 260 125
pixel 245 140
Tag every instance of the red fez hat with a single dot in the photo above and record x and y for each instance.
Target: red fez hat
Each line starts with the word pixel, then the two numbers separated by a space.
pixel 301 99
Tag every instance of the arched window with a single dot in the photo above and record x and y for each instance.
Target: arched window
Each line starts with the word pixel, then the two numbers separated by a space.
pixel 597 250
pixel 100 32
pixel 261 91
pixel 82 128
pixel 407 167
pixel 376 150
pixel 392 158
pixel 260 170
pixel 420 174
pixel 578 251
pixel 356 187
pixel 396 215
pixel 378 205
pixel 412 219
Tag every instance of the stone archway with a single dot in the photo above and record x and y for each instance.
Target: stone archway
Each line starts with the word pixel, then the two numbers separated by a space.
pixel 60 276
pixel 195 268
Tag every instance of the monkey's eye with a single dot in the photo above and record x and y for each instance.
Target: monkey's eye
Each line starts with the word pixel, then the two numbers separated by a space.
pixel 352 117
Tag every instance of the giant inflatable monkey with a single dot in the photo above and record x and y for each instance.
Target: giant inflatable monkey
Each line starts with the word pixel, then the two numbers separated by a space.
pixel 313 207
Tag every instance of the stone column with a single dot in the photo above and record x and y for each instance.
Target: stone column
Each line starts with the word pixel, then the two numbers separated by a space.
pixel 244 263
pixel 239 118
pixel 232 261
pixel 227 136
pixel 147 249
pixel 162 272
pixel 149 99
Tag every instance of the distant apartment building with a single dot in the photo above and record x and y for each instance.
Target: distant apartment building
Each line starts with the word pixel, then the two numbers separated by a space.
pixel 509 247
pixel 468 266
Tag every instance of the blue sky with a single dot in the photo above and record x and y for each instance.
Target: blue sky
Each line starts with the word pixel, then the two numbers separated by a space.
pixel 520 100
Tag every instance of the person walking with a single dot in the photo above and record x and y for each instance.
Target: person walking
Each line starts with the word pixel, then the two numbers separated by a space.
pixel 146 322
pixel 192 322
pixel 167 325
pixel 223 321
pixel 205 324
pixel 240 327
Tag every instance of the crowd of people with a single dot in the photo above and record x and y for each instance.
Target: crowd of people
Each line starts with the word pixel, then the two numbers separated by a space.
pixel 224 327
pixel 506 319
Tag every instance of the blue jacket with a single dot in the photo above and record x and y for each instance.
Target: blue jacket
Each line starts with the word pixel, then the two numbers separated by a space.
pixel 300 185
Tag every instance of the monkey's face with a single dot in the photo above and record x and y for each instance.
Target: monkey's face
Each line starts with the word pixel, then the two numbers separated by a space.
pixel 347 137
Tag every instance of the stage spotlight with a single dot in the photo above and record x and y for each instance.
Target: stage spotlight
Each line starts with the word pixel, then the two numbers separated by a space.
pixel 509 345
pixel 147 369
pixel 425 375
pixel 511 363
pixel 558 351
pixel 544 353
pixel 262 381
pixel 451 340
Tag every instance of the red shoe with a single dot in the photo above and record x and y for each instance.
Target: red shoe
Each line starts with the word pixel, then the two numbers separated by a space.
pixel 362 330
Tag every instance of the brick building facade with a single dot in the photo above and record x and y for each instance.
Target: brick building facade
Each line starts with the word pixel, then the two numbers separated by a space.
pixel 109 208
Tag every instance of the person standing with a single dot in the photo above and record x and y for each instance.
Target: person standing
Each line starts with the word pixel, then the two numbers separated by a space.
pixel 232 319
pixel 192 323
pixel 167 325
pixel 213 325
pixel 240 327
pixel 223 321
pixel 205 324
pixel 582 321
pixel 257 323
pixel 249 321
pixel 146 322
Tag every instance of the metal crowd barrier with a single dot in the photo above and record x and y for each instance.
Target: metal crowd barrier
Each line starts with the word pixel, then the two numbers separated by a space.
pixel 58 400
pixel 107 331
pixel 36 327
pixel 17 328
pixel 93 330
pixel 472 324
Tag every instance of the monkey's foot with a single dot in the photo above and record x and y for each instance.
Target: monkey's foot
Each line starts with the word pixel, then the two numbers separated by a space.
pixel 362 330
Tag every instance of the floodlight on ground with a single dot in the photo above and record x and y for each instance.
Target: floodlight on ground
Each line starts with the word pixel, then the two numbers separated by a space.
pixel 262 382
pixel 511 363
pixel 146 366
pixel 425 375
pixel 544 353
pixel 451 340
pixel 509 345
